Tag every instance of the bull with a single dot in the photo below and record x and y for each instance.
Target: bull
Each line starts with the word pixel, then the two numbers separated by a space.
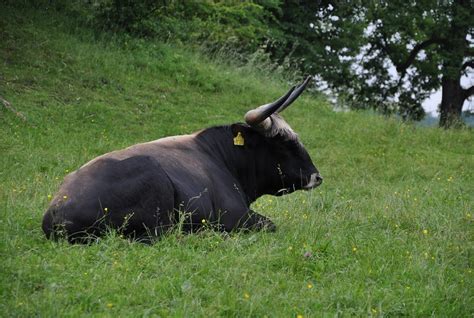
pixel 210 177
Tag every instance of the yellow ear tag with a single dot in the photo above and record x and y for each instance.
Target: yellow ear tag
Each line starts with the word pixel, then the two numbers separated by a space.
pixel 239 140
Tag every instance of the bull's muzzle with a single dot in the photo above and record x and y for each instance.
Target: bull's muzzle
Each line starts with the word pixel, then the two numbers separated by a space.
pixel 314 181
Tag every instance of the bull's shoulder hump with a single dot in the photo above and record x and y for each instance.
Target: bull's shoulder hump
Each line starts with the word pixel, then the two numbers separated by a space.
pixel 168 141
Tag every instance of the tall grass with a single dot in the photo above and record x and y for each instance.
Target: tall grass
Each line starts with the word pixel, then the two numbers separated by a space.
pixel 389 233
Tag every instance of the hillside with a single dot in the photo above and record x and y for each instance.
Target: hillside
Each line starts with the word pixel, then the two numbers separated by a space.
pixel 388 233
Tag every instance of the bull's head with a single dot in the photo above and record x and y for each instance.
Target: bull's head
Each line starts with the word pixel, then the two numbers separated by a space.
pixel 286 162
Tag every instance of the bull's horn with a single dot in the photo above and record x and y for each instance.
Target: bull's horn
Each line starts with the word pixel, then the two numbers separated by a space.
pixel 256 116
pixel 297 92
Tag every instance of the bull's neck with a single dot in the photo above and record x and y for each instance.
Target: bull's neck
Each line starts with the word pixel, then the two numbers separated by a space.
pixel 218 143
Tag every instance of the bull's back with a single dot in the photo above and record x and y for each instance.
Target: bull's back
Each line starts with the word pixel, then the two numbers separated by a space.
pixel 133 194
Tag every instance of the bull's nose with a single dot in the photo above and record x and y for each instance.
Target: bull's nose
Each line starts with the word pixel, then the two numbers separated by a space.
pixel 314 181
pixel 319 179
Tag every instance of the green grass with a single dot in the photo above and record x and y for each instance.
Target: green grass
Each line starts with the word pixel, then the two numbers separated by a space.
pixel 390 231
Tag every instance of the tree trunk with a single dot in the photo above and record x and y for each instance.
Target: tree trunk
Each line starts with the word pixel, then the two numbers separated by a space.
pixel 451 102
pixel 455 47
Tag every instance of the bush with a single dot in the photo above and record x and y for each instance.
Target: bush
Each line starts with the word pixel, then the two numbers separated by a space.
pixel 236 25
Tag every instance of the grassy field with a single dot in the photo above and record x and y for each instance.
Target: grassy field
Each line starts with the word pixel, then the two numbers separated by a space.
pixel 389 233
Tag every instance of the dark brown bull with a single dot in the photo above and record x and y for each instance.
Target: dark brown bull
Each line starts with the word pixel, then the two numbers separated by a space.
pixel 212 176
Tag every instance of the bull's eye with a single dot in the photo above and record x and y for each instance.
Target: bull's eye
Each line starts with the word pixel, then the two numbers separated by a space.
pixel 280 172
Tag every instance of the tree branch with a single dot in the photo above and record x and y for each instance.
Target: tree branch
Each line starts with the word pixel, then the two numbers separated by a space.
pixel 468 92
pixel 467 64
pixel 402 68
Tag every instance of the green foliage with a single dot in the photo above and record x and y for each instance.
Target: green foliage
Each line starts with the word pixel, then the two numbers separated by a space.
pixel 235 25
pixel 125 15
pixel 389 233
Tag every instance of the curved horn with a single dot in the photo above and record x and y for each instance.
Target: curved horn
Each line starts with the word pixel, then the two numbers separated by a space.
pixel 297 92
pixel 256 116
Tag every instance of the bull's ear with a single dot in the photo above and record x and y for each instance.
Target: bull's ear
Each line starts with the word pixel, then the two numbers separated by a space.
pixel 241 135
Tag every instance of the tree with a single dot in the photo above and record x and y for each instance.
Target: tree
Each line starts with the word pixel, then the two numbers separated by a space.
pixel 389 55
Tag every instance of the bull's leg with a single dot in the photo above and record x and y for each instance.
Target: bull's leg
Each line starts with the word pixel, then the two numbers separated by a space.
pixel 254 221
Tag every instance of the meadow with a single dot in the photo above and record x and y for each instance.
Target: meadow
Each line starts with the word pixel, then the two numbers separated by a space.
pixel 389 233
